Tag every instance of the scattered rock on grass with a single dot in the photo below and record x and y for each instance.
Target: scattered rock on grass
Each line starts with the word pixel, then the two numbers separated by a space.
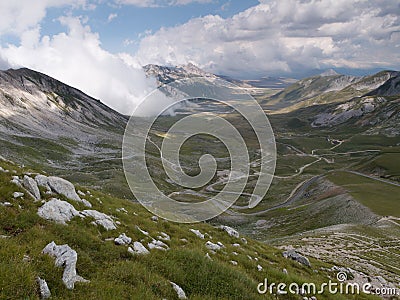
pixel 156 244
pixel 230 231
pixel 100 219
pixel 17 194
pixel 163 236
pixel 31 186
pixel 179 291
pixel 57 211
pixel 297 257
pixel 67 258
pixel 138 249
pixel 122 239
pixel 197 233
pixel 66 188
pixel 212 246
pixel 43 289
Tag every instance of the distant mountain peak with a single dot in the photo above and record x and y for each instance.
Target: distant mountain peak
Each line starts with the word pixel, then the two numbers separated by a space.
pixel 330 72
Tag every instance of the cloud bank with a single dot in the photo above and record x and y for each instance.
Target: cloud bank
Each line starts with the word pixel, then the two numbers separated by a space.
pixel 283 37
pixel 76 58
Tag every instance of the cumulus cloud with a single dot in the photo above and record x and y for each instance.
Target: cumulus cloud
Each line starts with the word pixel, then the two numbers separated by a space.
pixel 18 16
pixel 159 3
pixel 284 37
pixel 77 58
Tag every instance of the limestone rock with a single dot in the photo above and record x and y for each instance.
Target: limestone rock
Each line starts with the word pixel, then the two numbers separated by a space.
pixel 41 180
pixel 230 231
pixel 163 236
pixel 31 186
pixel 212 246
pixel 197 233
pixel 17 194
pixel 179 291
pixel 67 257
pixel 66 188
pixel 122 239
pixel 156 244
pixel 43 288
pixel 297 257
pixel 58 211
pixel 100 219
pixel 138 249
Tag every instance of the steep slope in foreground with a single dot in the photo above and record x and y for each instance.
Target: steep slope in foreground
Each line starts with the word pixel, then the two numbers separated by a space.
pixel 218 265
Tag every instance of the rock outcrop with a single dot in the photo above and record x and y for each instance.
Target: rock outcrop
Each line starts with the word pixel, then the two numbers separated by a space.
pixel 197 233
pixel 43 289
pixel 156 244
pixel 122 239
pixel 57 211
pixel 138 249
pixel 100 219
pixel 31 186
pixel 212 246
pixel 179 291
pixel 230 231
pixel 66 188
pixel 297 257
pixel 67 258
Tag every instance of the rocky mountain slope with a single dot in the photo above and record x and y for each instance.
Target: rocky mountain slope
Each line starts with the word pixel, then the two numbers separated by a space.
pixel 55 127
pixel 34 103
pixel 326 88
pixel 165 75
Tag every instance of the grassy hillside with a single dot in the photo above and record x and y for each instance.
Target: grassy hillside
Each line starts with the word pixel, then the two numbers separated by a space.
pixel 116 274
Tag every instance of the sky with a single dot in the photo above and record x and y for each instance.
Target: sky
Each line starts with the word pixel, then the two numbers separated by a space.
pixel 100 46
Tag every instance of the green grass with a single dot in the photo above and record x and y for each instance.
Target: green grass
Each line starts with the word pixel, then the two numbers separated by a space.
pixel 382 198
pixel 114 273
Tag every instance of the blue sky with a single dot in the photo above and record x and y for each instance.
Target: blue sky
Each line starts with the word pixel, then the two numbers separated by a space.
pixel 131 22
pixel 100 46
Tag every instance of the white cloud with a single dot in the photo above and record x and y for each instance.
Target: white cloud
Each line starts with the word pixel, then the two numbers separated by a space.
pixel 284 36
pixel 76 58
pixel 18 16
pixel 159 3
pixel 111 17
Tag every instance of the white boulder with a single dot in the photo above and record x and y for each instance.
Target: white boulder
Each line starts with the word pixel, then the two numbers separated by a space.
pixel 67 258
pixel 41 180
pixel 122 239
pixel 17 194
pixel 156 244
pixel 66 188
pixel 138 249
pixel 43 288
pixel 230 231
pixel 179 291
pixel 100 219
pixel 58 211
pixel 163 236
pixel 197 233
pixel 31 186
pixel 212 246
